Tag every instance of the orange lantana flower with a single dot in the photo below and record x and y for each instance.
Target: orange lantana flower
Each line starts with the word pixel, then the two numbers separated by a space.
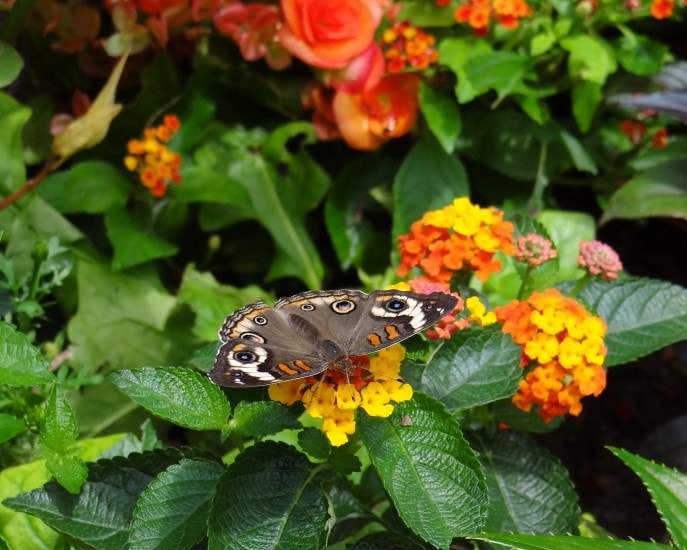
pixel 563 352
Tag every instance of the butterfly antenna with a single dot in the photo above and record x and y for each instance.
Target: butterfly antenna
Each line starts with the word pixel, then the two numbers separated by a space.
pixel 348 385
pixel 317 387
pixel 377 373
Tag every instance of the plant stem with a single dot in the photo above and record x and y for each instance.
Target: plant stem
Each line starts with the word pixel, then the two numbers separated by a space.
pixel 28 186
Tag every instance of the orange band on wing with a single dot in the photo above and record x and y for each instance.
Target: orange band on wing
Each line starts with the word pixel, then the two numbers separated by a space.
pixel 374 339
pixel 391 332
pixel 301 365
pixel 286 369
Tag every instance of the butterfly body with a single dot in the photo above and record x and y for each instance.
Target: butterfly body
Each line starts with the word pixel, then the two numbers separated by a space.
pixel 307 333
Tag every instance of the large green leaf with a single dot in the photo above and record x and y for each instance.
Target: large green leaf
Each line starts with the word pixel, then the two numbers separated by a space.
pixel 100 515
pixel 430 472
pixel 21 364
pixel 442 116
pixel 212 301
pixel 13 116
pixel 132 242
pixel 92 187
pixel 455 54
pixel 121 320
pixel 658 191
pixel 643 315
pixel 280 189
pixel 668 489
pixel 177 394
pixel 353 215
pixel 417 189
pixel 529 489
pixel 556 542
pixel 173 510
pixel 10 426
pixel 270 497
pixel 639 54
pixel 473 368
pixel 19 529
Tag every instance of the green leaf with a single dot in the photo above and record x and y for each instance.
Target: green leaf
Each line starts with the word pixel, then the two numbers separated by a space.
pixel 270 497
pixel 11 64
pixel 503 72
pixel 580 156
pixel 70 472
pixel 10 426
pixel 92 187
pixel 658 191
pixel 529 489
pixel 455 54
pixel 586 97
pixel 567 229
pixel 314 442
pixel 133 243
pixel 590 58
pixel 21 364
pixel 121 320
pixel 556 542
pixel 261 418
pixel 13 116
pixel 643 315
pixel 18 528
pixel 282 189
pixel 115 484
pixel 430 472
pixel 177 394
pixel 173 510
pixel 389 540
pixel 352 214
pixel 426 14
pixel 639 54
pixel 442 116
pixel 201 184
pixel 58 426
pixel 474 367
pixel 417 190
pixel 212 301
pixel 668 489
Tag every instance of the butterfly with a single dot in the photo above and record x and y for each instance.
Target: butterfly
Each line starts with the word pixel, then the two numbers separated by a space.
pixel 305 334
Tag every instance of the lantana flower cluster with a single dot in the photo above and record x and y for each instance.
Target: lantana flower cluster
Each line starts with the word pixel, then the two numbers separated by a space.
pixel 563 352
pixel 373 385
pixel 156 164
pixel 405 45
pixel 480 14
pixel 461 236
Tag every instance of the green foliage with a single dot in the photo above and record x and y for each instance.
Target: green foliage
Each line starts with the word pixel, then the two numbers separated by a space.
pixel 111 297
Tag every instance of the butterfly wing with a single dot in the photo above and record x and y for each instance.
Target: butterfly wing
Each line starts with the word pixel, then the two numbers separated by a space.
pixel 391 316
pixel 242 363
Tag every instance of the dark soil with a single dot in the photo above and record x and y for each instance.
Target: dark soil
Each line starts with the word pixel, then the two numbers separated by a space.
pixel 644 406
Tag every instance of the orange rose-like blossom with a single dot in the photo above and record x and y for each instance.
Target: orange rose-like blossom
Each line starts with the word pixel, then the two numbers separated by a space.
pixel 387 110
pixel 328 34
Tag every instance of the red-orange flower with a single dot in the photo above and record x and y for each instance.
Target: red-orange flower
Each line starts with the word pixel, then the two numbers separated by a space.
pixel 327 34
pixel 405 45
pixel 156 165
pixel 662 9
pixel 387 110
pixel 461 236
pixel 479 13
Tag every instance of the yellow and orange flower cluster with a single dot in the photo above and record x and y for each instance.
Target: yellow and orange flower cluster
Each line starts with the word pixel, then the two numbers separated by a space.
pixel 407 46
pixel 156 165
pixel 373 385
pixel 563 351
pixel 461 236
pixel 479 14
